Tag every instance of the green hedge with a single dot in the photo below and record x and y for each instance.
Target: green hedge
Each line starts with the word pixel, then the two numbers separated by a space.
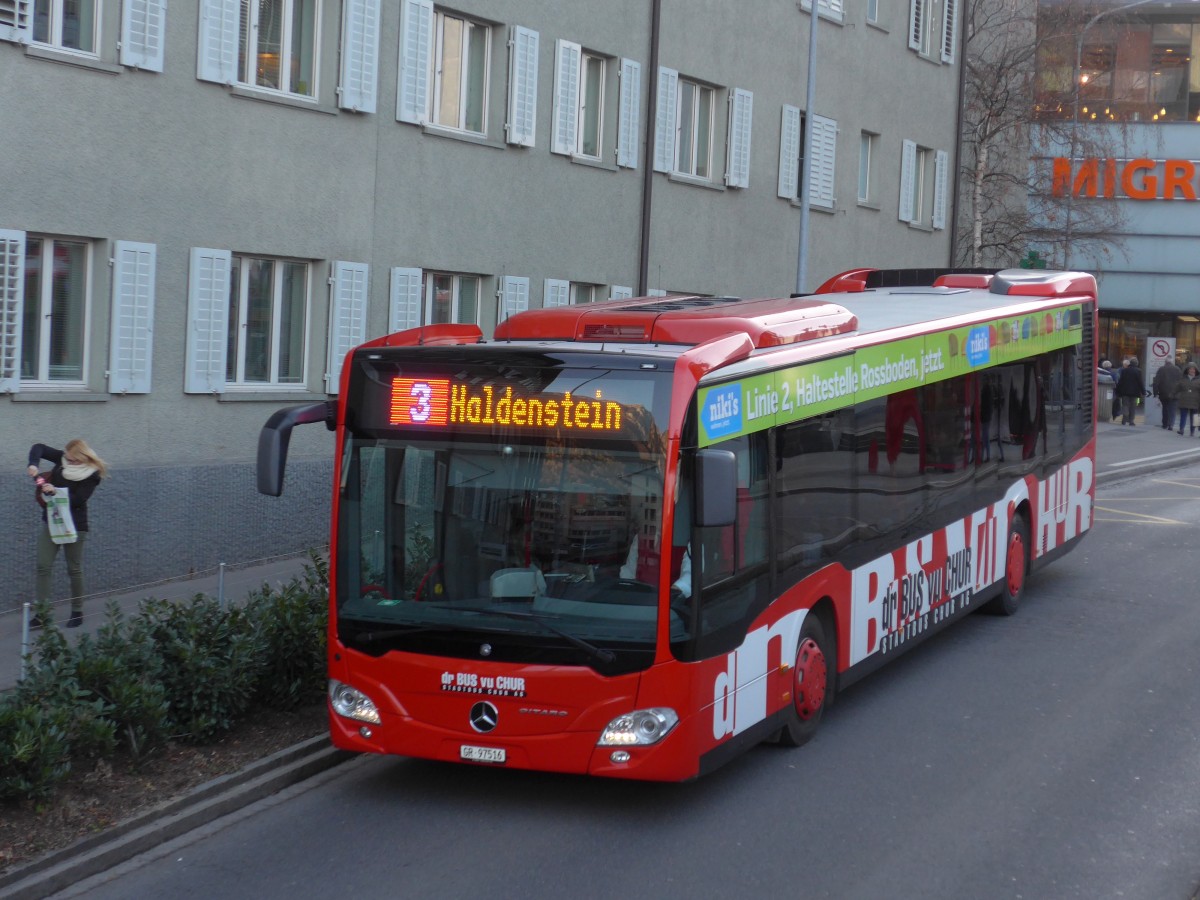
pixel 177 671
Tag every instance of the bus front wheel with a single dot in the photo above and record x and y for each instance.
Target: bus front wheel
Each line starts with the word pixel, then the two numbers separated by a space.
pixel 810 684
pixel 1016 569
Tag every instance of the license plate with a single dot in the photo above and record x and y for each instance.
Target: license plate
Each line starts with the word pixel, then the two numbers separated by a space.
pixel 482 754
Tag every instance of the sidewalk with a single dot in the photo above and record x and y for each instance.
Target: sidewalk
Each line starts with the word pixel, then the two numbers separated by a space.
pixel 230 583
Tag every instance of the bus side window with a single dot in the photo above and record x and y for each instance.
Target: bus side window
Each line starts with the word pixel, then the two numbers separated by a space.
pixel 814 465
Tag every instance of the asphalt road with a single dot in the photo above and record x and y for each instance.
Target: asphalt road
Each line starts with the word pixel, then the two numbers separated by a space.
pixel 1055 754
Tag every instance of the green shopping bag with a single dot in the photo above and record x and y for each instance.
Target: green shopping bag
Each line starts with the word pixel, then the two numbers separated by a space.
pixel 58 517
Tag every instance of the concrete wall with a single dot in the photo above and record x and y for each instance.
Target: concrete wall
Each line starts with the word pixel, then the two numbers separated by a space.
pixel 103 152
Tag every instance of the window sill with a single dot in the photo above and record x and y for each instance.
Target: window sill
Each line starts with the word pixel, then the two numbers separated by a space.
pixel 66 57
pixel 592 163
pixel 465 136
pixel 268 395
pixel 248 93
pixel 53 395
pixel 868 204
pixel 813 207
pixel 876 26
pixel 921 226
pixel 679 178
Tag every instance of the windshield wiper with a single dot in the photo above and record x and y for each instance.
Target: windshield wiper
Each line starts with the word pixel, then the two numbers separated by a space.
pixel 592 650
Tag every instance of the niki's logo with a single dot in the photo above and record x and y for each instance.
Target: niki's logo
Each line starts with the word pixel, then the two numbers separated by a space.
pixel 722 411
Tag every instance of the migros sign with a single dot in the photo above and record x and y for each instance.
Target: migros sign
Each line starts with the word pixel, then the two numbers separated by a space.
pixel 1134 179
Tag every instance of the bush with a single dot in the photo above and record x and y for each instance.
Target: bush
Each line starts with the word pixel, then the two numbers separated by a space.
pixel 176 670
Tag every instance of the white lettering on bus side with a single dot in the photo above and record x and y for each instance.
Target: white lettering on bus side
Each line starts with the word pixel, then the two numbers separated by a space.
pixel 898 596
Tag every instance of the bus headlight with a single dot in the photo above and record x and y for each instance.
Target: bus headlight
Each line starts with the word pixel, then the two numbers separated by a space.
pixel 352 704
pixel 639 728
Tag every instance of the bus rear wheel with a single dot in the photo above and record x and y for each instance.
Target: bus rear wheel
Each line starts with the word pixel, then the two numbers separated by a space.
pixel 1016 569
pixel 810 684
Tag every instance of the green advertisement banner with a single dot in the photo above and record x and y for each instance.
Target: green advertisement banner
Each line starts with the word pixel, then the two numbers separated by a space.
pixel 786 395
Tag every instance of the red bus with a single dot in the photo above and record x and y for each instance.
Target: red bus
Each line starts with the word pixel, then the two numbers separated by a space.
pixel 634 538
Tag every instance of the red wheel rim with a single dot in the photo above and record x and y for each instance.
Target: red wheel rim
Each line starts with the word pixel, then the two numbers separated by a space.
pixel 1016 564
pixel 810 679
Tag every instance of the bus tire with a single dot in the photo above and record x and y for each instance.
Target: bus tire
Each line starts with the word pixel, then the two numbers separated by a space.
pixel 1016 569
pixel 811 681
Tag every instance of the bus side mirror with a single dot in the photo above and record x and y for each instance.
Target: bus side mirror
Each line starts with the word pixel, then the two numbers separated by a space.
pixel 277 433
pixel 716 488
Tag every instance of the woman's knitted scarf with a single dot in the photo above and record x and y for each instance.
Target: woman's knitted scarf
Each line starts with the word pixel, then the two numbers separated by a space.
pixel 77 471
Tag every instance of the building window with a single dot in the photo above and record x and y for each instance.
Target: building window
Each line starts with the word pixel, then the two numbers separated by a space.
pixel 921 184
pixel 694 130
pixel 591 105
pixel 268 304
pixel 866 166
pixel 584 293
pixel 277 44
pixel 459 73
pixel 578 101
pixel 873 11
pixel 67 24
pixel 451 299
pixel 54 325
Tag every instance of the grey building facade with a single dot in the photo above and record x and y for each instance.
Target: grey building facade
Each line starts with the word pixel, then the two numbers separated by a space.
pixel 210 203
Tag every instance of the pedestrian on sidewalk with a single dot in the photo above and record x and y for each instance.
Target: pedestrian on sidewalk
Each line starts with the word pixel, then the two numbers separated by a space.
pixel 1165 381
pixel 1131 388
pixel 78 469
pixel 1187 395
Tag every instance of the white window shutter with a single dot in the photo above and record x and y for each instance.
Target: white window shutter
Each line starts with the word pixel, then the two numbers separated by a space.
pixel 629 113
pixel 908 163
pixel 220 22
pixel 824 156
pixel 12 294
pixel 916 24
pixel 620 292
pixel 556 292
pixel 207 321
pixel 15 20
pixel 347 317
pixel 941 176
pixel 360 55
pixel 416 45
pixel 514 296
pixel 827 9
pixel 132 342
pixel 404 306
pixel 566 97
pixel 950 31
pixel 142 25
pixel 741 112
pixel 656 292
pixel 664 119
pixel 522 87
pixel 789 153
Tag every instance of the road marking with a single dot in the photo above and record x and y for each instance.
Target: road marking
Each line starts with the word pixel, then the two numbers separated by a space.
pixel 1139 518
pixel 1146 459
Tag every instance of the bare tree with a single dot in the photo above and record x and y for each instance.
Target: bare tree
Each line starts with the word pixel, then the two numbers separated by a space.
pixel 1007 202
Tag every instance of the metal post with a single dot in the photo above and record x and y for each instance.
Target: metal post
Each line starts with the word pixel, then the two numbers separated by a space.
pixel 221 585
pixel 24 638
pixel 806 168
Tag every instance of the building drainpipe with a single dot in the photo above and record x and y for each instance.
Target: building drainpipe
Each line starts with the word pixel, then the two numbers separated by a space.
pixel 648 156
pixel 958 138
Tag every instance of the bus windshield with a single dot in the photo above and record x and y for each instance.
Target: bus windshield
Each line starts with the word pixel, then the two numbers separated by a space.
pixel 537 539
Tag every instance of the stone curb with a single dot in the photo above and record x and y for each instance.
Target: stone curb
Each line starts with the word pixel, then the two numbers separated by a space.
pixel 1120 472
pixel 210 801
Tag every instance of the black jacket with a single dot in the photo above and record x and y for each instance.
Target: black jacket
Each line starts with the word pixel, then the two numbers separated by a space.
pixel 1130 382
pixel 80 491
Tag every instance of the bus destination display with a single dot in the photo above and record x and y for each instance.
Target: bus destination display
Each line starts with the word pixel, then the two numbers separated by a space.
pixel 444 403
